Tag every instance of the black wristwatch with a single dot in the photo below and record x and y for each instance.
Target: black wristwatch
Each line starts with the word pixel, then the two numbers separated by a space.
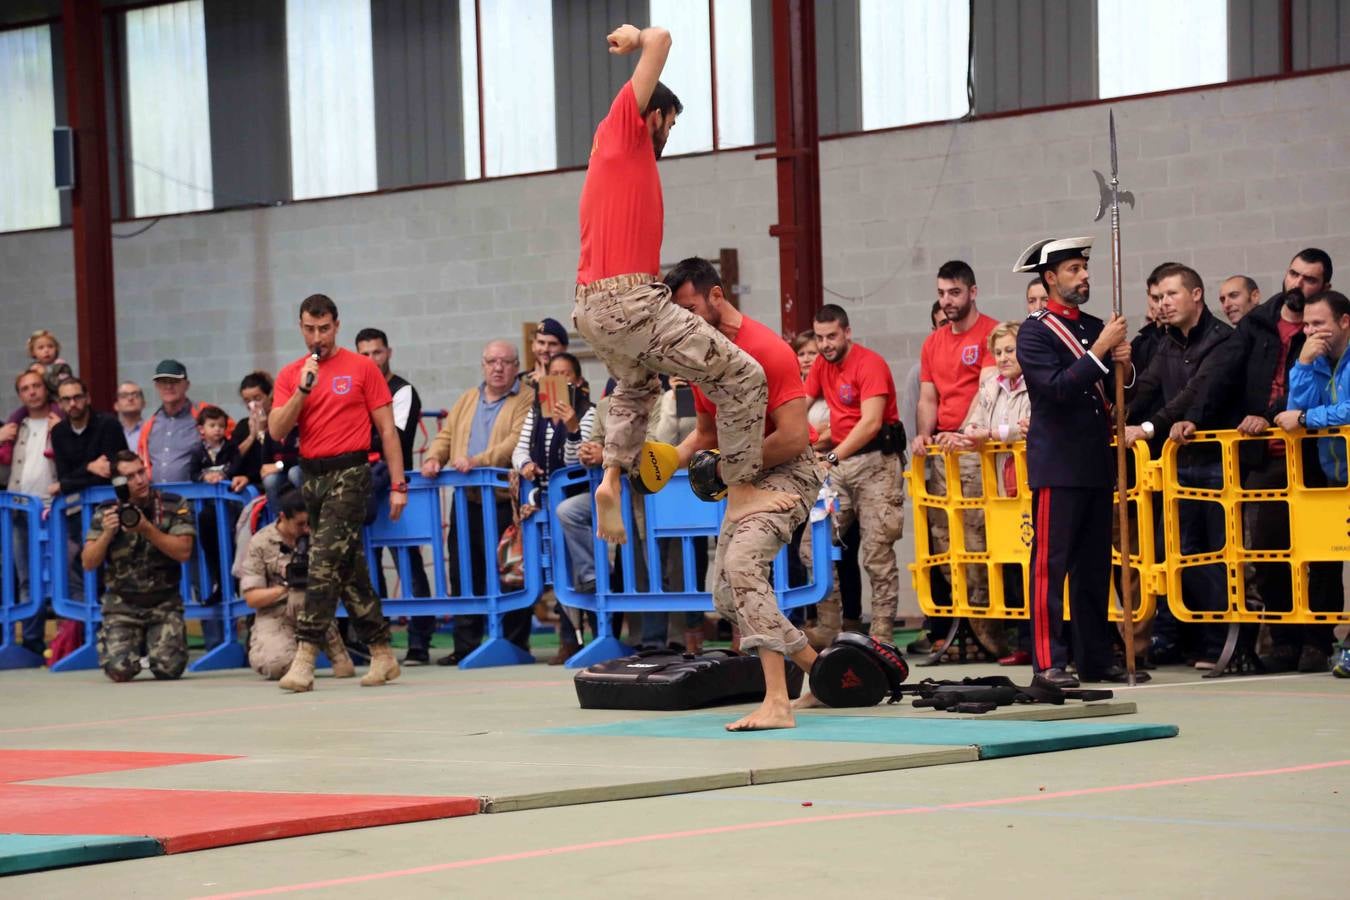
pixel 1303 419
pixel 832 458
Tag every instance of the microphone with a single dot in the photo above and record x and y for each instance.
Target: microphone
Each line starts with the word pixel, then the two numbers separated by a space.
pixel 309 376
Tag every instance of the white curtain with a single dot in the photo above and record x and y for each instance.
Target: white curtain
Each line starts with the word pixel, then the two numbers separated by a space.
pixel 520 133
pixel 169 121
pixel 1159 45
pixel 735 74
pixel 28 198
pixel 331 86
pixel 468 80
pixel 913 61
pixel 688 71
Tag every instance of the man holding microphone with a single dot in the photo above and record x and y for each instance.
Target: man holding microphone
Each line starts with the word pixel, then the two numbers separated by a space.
pixel 335 396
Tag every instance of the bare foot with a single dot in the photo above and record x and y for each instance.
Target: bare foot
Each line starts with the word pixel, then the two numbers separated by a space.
pixel 746 500
pixel 608 515
pixel 767 716
pixel 807 700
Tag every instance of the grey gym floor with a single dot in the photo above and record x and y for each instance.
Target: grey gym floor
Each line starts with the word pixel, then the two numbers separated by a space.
pixel 1249 801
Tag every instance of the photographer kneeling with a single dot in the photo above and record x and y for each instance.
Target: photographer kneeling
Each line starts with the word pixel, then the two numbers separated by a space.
pixel 275 575
pixel 142 539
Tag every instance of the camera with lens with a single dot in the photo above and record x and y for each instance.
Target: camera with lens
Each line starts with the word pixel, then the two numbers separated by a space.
pixel 297 570
pixel 128 516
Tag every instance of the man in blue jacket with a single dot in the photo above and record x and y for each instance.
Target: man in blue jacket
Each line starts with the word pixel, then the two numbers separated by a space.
pixel 1319 397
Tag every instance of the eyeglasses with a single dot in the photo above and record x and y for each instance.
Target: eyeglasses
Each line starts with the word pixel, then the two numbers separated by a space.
pixel 493 362
pixel 71 399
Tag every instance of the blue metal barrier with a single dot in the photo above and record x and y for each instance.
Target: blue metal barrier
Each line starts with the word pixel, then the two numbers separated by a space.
pixel 25 509
pixel 421 526
pixel 81 602
pixel 674 513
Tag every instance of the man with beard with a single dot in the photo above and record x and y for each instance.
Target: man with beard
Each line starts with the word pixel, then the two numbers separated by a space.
pixel 1066 359
pixel 626 313
pixel 865 462
pixel 1272 340
pixel 954 361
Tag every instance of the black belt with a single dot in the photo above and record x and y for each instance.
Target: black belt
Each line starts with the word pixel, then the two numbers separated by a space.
pixel 325 464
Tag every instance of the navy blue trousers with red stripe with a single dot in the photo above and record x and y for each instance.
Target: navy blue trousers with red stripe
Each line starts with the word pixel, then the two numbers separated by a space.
pixel 1072 538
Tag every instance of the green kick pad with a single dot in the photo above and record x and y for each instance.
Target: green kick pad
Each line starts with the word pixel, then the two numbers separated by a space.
pixel 992 739
pixel 31 852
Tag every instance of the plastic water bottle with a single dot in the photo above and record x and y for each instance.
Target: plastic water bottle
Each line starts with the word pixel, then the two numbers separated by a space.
pixel 826 501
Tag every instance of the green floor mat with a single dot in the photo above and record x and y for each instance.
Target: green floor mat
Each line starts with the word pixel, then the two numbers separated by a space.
pixel 31 852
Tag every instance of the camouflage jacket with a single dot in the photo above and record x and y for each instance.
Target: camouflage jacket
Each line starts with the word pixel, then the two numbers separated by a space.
pixel 133 564
pixel 264 565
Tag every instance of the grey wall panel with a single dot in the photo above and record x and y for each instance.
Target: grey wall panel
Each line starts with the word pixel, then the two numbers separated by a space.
pixel 1321 33
pixel 419 109
pixel 586 78
pixel 1253 38
pixel 838 67
pixel 246 93
pixel 1031 53
pixel 761 24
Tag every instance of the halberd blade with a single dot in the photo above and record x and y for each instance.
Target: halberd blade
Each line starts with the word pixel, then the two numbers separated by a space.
pixel 1104 201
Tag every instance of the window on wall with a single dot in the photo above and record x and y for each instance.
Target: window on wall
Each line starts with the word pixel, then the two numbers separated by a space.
pixel 913 61
pixel 168 115
pixel 735 59
pixel 688 72
pixel 28 113
pixel 519 132
pixel 1159 45
pixel 331 87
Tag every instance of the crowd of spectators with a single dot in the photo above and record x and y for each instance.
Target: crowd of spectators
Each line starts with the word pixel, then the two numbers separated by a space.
pixel 1262 364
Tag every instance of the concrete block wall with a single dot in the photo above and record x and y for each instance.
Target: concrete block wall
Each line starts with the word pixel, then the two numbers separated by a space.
pixel 1230 179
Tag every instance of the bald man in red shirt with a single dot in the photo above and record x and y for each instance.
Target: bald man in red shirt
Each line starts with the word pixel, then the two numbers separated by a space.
pixel 625 312
pixel 742 570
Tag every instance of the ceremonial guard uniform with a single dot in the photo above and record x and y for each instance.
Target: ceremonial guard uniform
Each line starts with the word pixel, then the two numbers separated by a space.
pixel 1070 469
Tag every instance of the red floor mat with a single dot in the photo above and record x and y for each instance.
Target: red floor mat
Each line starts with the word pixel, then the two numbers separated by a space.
pixel 186 820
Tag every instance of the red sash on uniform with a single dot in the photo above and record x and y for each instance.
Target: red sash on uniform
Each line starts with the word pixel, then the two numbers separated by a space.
pixel 1058 329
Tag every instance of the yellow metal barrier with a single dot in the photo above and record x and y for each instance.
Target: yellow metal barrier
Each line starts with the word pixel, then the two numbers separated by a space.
pixel 1319 528
pixel 1318 519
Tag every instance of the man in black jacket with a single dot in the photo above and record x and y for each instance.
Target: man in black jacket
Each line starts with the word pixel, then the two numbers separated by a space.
pixel 373 344
pixel 1066 359
pixel 1272 337
pixel 1145 341
pixel 1190 385
pixel 85 443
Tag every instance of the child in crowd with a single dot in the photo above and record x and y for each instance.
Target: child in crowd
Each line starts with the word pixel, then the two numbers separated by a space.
pixel 45 351
pixel 215 457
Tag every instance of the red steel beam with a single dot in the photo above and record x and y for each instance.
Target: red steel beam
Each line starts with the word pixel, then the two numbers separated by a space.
pixel 91 206
pixel 797 146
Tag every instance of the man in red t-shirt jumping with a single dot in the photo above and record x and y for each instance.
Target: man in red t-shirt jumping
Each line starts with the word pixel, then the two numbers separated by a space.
pixel 865 463
pixel 625 312
pixel 742 570
pixel 335 395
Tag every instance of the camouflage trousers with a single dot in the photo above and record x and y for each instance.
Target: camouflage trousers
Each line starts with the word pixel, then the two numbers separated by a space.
pixel 742 568
pixel 870 491
pixel 128 626
pixel 336 502
pixel 638 331
pixel 271 641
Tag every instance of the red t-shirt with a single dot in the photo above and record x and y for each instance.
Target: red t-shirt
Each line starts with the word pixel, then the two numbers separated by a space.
pixel 621 211
pixel 336 416
pixel 862 375
pixel 952 362
pixel 781 370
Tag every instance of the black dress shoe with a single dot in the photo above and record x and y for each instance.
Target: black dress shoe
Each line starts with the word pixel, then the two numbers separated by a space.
pixel 1119 675
pixel 1059 678
pixel 450 659
pixel 416 657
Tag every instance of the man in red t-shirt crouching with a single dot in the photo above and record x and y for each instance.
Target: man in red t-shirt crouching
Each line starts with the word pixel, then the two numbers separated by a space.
pixel 334 395
pixel 743 567
pixel 625 312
